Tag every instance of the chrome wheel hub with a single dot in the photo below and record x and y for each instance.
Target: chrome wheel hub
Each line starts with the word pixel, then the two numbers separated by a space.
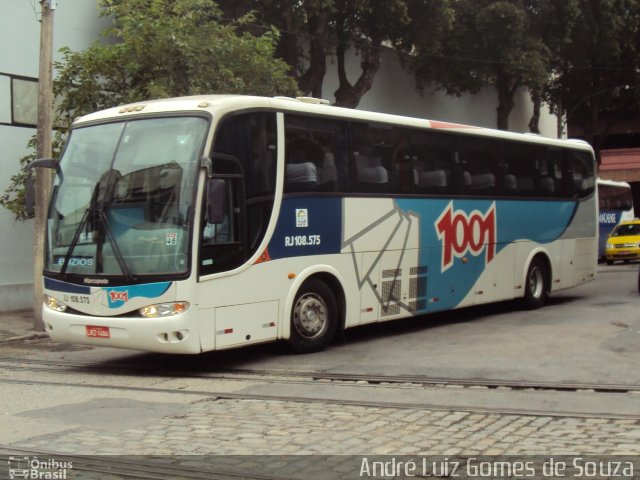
pixel 310 316
pixel 536 282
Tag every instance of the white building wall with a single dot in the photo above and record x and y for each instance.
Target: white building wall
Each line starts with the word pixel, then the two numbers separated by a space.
pixel 76 25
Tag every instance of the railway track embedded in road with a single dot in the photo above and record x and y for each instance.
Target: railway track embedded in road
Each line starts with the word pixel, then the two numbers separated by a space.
pixel 417 383
pixel 296 376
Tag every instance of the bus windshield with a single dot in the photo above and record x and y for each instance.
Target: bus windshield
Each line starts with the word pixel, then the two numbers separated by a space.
pixel 123 196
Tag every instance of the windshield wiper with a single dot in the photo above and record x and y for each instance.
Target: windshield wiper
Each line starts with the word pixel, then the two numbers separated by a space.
pixel 96 213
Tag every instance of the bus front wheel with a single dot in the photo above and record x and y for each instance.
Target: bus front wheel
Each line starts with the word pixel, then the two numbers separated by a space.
pixel 314 317
pixel 536 285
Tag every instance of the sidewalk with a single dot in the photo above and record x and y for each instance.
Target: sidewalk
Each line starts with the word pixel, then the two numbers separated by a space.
pixel 17 326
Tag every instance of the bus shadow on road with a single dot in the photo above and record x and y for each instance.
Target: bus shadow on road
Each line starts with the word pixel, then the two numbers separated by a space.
pixel 505 313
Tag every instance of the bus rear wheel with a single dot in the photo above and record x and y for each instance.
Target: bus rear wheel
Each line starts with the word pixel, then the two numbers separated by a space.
pixel 536 285
pixel 314 317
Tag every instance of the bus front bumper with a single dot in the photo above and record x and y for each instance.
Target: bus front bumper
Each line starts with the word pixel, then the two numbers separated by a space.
pixel 175 334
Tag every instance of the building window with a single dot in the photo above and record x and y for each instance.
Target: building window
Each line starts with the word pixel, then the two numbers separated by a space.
pixel 18 100
pixel 24 101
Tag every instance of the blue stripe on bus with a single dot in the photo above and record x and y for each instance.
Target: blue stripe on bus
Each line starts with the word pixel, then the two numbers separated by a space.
pixel 541 222
pixel 58 286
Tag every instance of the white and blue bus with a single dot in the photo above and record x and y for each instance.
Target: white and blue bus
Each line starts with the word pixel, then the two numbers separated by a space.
pixel 616 205
pixel 194 224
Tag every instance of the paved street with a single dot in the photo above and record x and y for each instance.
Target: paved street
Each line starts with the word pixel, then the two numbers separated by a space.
pixel 261 427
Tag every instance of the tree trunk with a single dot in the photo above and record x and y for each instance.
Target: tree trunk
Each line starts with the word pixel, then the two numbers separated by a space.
pixel 534 123
pixel 310 82
pixel 288 48
pixel 348 95
pixel 591 121
pixel 506 92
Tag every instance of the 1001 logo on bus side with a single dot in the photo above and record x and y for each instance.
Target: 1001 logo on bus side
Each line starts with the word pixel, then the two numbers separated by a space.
pixel 462 233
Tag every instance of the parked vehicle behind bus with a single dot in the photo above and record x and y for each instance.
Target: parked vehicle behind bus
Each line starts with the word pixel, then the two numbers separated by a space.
pixel 204 223
pixel 616 205
pixel 624 242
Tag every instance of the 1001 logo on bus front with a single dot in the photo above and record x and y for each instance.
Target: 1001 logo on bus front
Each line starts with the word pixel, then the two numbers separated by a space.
pixel 117 296
pixel 462 233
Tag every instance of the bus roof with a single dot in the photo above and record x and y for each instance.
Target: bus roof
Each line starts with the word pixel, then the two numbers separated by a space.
pixel 218 105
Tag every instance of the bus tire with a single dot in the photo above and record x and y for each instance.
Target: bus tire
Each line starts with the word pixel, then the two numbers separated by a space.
pixel 536 286
pixel 314 317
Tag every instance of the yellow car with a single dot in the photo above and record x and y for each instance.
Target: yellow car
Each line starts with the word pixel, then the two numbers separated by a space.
pixel 624 242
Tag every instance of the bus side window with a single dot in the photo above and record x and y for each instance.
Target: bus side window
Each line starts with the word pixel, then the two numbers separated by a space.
pixel 432 158
pixel 518 168
pixel 315 155
pixel 371 147
pixel 543 172
pixel 303 158
pixel 479 163
pixel 554 171
pixel 400 162
pixel 372 176
pixel 580 171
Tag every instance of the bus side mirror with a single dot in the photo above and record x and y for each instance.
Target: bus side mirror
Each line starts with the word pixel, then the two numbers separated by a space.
pixel 44 163
pixel 216 200
pixel 29 186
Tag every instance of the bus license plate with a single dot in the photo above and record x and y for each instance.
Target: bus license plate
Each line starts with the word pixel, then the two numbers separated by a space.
pixel 98 332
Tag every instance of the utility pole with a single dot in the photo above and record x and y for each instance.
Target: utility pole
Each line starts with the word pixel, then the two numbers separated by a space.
pixel 43 150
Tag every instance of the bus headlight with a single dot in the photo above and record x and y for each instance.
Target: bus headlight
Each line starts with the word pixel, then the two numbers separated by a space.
pixel 608 246
pixel 164 309
pixel 54 303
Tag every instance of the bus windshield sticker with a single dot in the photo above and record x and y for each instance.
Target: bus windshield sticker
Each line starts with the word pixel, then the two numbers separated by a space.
pixel 172 239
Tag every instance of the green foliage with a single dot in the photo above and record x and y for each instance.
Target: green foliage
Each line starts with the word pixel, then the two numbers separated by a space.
pixel 597 74
pixel 167 49
pixel 486 42
pixel 425 45
pixel 14 196
pixel 158 49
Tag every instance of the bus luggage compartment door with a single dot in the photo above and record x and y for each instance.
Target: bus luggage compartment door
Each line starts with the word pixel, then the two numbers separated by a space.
pixel 248 323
